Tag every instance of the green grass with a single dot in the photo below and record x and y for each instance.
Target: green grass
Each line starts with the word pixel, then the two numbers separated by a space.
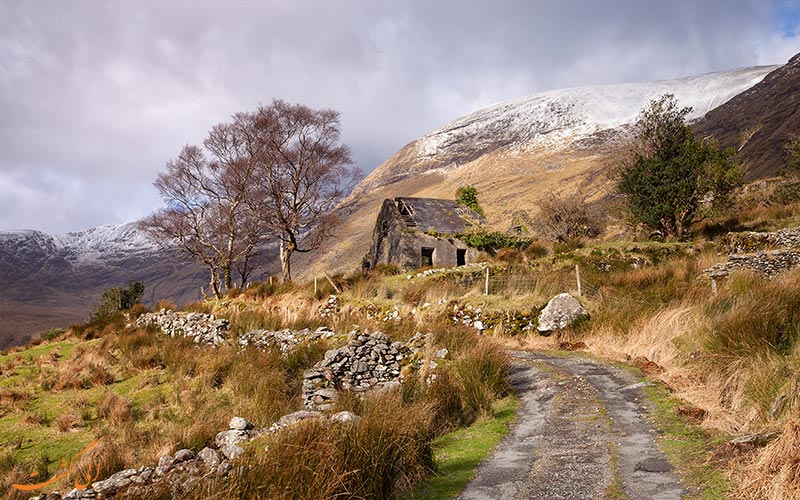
pixel 687 447
pixel 458 453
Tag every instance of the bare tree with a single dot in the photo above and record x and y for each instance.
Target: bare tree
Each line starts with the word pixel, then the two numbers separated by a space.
pixel 208 213
pixel 304 173
pixel 564 218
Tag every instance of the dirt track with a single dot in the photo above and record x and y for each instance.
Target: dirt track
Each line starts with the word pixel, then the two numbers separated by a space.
pixel 581 433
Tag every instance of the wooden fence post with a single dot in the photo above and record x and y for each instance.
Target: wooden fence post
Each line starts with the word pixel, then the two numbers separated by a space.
pixel 578 278
pixel 486 288
pixel 315 286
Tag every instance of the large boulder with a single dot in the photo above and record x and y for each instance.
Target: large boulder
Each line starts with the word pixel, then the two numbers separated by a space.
pixel 562 311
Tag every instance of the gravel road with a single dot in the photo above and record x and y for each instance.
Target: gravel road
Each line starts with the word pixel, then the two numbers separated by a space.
pixel 581 433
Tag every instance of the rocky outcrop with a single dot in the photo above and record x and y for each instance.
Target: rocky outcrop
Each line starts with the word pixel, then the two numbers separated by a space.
pixel 367 361
pixel 202 328
pixel 562 311
pixel 286 340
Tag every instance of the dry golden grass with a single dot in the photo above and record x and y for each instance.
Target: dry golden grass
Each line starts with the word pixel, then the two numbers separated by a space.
pixel 773 473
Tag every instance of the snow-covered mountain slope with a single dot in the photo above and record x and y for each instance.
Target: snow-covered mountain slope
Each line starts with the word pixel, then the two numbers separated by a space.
pixel 556 120
pixel 513 152
pixel 99 245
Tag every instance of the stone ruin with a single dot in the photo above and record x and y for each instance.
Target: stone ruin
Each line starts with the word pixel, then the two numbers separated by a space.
pixel 367 361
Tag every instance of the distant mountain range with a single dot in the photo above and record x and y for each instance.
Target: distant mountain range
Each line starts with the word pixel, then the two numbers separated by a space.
pixel 54 280
pixel 512 152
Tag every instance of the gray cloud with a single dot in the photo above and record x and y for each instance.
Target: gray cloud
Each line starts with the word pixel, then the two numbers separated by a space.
pixel 96 96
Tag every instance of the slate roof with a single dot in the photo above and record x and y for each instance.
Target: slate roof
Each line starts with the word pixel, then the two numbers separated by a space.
pixel 432 214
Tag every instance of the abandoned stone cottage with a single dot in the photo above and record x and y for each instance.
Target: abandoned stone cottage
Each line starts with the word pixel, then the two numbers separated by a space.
pixel 417 232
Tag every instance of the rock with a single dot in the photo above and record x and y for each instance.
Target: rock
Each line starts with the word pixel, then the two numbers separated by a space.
pixel 226 442
pixel 345 417
pixel 115 482
pixel 210 457
pixel 183 456
pixel 240 424
pixel 654 465
pixel 294 419
pixel 202 328
pixel 562 311
pixel 164 464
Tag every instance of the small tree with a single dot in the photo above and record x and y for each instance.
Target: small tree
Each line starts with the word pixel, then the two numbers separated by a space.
pixel 669 178
pixel 467 196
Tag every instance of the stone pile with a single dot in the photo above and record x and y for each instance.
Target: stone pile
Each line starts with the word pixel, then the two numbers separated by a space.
pixel 203 328
pixel 285 340
pixel 768 263
pixel 331 307
pixel 367 361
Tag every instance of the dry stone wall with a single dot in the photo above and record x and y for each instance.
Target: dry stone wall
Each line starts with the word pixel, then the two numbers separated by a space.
pixel 202 328
pixel 768 254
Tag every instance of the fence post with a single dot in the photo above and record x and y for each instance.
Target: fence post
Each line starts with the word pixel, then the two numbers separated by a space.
pixel 315 286
pixel 714 286
pixel 486 288
pixel 578 278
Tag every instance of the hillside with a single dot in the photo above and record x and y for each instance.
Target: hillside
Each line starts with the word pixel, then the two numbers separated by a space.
pixel 556 141
pixel 53 281
pixel 759 120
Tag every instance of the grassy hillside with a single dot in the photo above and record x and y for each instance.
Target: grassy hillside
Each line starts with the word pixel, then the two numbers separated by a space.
pixel 730 362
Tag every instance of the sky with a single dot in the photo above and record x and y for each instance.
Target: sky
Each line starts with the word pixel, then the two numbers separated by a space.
pixel 96 96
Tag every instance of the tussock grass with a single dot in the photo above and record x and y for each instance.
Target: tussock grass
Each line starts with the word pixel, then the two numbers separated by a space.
pixel 774 473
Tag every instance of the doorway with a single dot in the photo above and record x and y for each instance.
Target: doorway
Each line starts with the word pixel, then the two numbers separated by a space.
pixel 427 256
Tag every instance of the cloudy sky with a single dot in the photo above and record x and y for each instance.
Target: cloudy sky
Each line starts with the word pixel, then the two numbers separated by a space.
pixel 95 96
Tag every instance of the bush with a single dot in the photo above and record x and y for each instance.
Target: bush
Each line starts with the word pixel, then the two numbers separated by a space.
pixel 53 333
pixel 119 299
pixel 565 218
pixel 491 241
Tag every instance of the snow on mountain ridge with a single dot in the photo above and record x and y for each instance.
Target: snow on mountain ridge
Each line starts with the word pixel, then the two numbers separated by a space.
pixel 95 245
pixel 557 118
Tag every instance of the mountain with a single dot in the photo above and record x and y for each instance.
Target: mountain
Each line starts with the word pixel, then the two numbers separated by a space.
pixel 512 152
pixel 54 280
pixel 759 120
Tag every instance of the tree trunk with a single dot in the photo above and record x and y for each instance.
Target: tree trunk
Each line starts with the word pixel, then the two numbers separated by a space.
pixel 226 274
pixel 214 283
pixel 287 247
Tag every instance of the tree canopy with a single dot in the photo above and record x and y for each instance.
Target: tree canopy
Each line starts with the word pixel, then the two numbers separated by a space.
pixel 669 178
pixel 275 173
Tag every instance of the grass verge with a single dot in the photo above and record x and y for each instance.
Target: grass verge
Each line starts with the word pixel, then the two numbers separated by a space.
pixel 458 453
pixel 687 446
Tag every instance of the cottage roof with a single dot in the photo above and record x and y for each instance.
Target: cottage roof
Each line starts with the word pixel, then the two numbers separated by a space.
pixel 432 214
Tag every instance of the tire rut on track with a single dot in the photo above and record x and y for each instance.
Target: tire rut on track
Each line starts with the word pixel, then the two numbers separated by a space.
pixel 581 433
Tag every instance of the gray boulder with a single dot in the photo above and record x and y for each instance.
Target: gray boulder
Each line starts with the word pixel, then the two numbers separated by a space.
pixel 562 311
